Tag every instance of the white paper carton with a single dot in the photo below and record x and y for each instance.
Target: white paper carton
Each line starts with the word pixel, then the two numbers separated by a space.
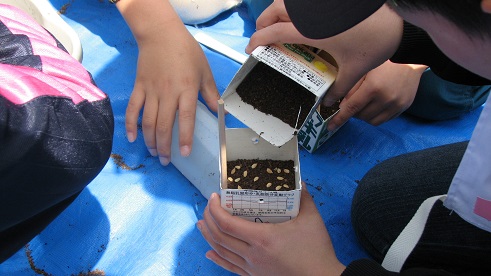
pixel 314 131
pixel 303 66
pixel 258 205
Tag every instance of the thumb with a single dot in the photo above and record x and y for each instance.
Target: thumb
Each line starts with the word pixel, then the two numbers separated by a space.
pixel 209 92
pixel 354 88
pixel 346 79
pixel 307 205
pixel 349 107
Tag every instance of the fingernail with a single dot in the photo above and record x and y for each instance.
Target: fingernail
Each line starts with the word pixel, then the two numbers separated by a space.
pixel 213 195
pixel 131 137
pixel 164 160
pixel 153 152
pixel 185 151
pixel 199 226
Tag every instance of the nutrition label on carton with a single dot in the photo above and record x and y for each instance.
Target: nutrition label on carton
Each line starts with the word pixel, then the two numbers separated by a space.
pixel 253 202
pixel 282 59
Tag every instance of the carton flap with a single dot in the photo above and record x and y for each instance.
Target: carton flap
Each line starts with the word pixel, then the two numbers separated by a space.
pixel 268 127
pixel 300 64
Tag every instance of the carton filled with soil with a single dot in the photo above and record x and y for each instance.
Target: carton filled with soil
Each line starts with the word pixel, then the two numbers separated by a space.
pixel 259 181
pixel 278 89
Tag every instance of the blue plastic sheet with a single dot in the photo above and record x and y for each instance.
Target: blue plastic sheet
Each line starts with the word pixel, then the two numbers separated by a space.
pixel 138 217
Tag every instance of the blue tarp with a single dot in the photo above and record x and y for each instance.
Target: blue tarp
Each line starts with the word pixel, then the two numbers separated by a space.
pixel 138 217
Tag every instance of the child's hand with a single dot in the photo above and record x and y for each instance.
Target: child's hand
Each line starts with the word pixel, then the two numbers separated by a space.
pixel 300 246
pixel 356 51
pixel 171 69
pixel 381 95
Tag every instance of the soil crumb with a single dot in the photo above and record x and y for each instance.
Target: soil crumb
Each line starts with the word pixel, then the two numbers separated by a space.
pixel 119 161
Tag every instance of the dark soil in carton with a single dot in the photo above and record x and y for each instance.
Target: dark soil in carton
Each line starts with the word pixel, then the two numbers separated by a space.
pixel 327 111
pixel 266 175
pixel 272 93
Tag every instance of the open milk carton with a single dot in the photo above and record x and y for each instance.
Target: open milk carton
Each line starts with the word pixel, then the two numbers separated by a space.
pixel 301 78
pixel 314 132
pixel 278 203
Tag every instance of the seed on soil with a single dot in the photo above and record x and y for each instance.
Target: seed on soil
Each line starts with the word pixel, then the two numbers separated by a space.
pixel 232 171
pixel 286 186
pixel 286 170
pixel 266 176
pixel 278 188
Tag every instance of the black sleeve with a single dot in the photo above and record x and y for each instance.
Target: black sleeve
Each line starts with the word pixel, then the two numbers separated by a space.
pixel 367 267
pixel 417 48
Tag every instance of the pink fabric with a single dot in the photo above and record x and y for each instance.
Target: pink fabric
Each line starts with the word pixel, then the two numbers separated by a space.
pixel 61 76
pixel 483 208
pixel 21 84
